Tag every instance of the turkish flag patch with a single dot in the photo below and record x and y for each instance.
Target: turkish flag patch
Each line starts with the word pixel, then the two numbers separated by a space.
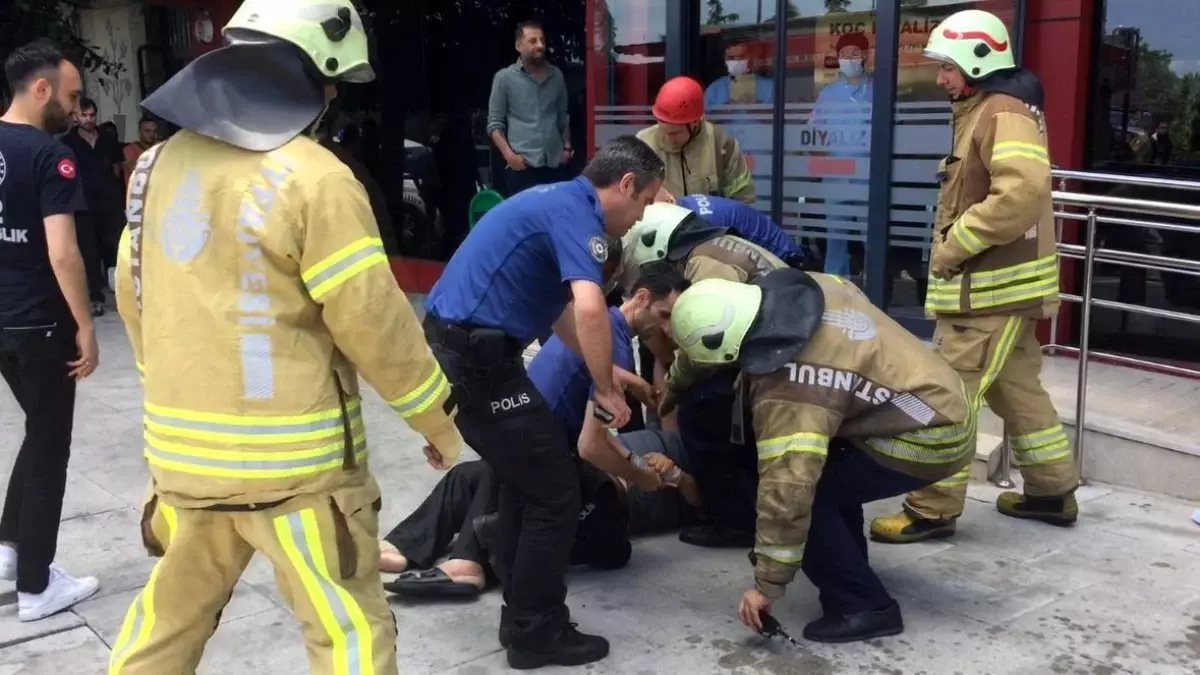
pixel 66 168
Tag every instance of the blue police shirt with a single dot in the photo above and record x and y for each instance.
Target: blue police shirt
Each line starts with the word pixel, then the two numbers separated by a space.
pixel 512 272
pixel 749 223
pixel 562 377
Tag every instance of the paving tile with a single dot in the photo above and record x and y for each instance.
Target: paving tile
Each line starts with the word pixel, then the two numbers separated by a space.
pixel 107 546
pixel 265 643
pixel 75 652
pixel 14 631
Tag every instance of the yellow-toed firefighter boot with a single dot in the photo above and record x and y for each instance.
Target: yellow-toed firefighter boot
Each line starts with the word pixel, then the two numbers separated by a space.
pixel 905 528
pixel 1062 511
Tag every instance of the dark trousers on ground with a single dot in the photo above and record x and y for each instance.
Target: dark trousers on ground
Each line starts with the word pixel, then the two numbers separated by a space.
pixel 467 491
pixel 726 474
pixel 504 418
pixel 835 556
pixel 516 181
pixel 33 362
pixel 87 233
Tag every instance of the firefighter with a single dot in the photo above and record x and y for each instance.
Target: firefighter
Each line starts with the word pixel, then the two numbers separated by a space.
pixel 993 274
pixel 725 473
pixel 700 156
pixel 255 291
pixel 746 222
pixel 847 408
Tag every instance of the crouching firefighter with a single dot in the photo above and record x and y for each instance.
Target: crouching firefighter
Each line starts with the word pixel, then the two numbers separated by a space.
pixel 847 407
pixel 725 474
pixel 255 290
pixel 993 274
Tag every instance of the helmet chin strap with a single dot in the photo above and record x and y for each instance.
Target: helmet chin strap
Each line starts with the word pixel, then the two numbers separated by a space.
pixel 316 124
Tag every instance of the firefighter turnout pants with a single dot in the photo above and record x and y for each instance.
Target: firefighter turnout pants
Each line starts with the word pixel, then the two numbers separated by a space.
pixel 325 551
pixel 1000 360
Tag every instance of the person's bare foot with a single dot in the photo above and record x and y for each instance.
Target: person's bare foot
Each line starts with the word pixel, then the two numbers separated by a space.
pixel 391 560
pixel 464 572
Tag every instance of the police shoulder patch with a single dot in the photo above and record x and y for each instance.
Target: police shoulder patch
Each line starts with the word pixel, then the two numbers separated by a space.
pixel 598 247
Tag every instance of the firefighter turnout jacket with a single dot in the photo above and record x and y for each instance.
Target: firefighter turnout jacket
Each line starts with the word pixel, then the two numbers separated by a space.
pixel 864 379
pixel 254 298
pixel 710 163
pixel 993 247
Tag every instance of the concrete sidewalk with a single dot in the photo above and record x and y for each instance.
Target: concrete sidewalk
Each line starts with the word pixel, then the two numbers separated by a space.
pixel 1119 593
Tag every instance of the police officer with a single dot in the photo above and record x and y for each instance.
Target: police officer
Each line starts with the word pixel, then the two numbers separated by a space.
pixel 744 221
pixel 725 473
pixel 993 274
pixel 700 156
pixel 254 287
pixel 47 342
pixel 533 263
pixel 847 407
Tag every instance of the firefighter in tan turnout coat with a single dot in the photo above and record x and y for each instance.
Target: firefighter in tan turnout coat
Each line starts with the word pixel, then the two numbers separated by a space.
pixel 847 407
pixel 993 274
pixel 255 291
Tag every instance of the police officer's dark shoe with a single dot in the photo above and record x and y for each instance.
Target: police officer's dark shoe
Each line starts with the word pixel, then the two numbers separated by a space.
pixel 709 536
pixel 1061 511
pixel 568 648
pixel 905 528
pixel 856 627
pixel 97 308
pixel 487 532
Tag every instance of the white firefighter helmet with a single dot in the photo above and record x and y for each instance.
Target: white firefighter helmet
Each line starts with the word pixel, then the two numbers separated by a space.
pixel 974 40
pixel 650 237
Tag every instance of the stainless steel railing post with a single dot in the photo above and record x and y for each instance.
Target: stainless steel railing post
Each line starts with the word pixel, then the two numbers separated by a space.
pixel 1002 477
pixel 1089 268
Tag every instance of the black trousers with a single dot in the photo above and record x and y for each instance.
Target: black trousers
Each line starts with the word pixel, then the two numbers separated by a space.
pixel 88 234
pixel 504 418
pixel 33 362
pixel 726 474
pixel 444 520
pixel 835 555
pixel 516 181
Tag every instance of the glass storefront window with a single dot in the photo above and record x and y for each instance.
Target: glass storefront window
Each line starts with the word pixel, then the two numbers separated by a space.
pixel 1145 121
pixel 923 136
pixel 737 69
pixel 626 64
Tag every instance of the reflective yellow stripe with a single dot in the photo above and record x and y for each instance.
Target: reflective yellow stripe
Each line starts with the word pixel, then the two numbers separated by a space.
pixel 791 555
pixel 340 615
pixel 772 448
pixel 738 184
pixel 171 518
pixel 999 357
pixel 139 621
pixel 1041 447
pixel 251 430
pixel 251 465
pixel 1042 268
pixel 1020 146
pixel 957 480
pixel 342 265
pixel 968 240
pixel 1019 154
pixel 418 400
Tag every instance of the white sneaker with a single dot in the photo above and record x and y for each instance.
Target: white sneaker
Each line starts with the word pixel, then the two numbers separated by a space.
pixel 63 592
pixel 8 563
pixel 112 279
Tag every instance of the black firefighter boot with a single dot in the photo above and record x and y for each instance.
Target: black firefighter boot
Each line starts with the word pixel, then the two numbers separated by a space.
pixel 1062 511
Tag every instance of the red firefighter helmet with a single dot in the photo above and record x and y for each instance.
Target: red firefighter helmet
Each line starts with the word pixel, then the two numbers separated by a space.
pixel 680 101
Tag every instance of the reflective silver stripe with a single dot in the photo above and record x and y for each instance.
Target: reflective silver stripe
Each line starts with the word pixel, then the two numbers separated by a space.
pixel 258 369
pixel 285 463
pixel 417 401
pixel 787 556
pixel 816 444
pixel 317 575
pixel 333 423
pixel 314 284
pixel 1041 447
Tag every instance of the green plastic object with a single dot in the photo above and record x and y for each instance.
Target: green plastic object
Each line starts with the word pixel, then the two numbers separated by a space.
pixel 483 201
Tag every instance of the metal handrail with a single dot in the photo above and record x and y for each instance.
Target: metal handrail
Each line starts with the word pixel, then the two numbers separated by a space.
pixel 1090 255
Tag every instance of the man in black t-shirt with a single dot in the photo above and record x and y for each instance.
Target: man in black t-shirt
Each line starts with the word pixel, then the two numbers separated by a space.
pixel 47 341
pixel 99 158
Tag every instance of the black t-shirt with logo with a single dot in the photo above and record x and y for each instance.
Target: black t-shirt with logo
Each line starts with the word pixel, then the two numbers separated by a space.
pixel 102 188
pixel 38 179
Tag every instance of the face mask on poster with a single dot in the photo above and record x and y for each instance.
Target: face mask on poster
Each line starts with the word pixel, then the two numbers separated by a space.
pixel 737 68
pixel 850 67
